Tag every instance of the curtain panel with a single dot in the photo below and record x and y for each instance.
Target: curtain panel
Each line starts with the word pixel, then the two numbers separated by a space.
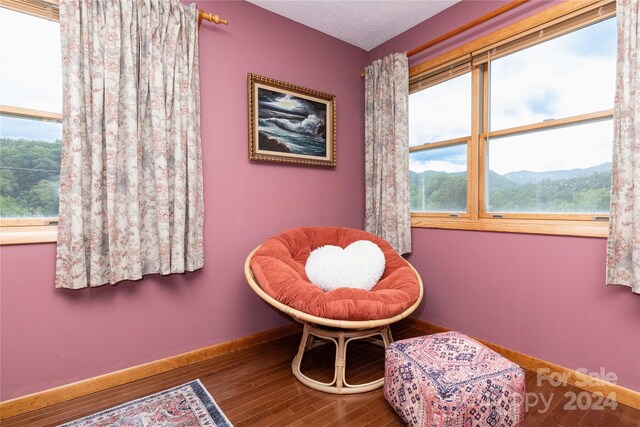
pixel 623 245
pixel 131 200
pixel 388 212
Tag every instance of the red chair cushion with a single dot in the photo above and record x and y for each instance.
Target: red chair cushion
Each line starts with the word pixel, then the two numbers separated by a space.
pixel 278 266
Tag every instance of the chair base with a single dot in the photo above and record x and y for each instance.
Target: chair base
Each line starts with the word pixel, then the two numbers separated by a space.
pixel 340 339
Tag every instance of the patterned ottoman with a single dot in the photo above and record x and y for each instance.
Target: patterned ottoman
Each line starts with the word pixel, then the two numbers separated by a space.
pixel 451 380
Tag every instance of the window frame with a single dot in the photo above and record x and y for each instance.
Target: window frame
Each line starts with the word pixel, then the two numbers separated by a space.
pixel 441 75
pixel 30 230
pixel 546 25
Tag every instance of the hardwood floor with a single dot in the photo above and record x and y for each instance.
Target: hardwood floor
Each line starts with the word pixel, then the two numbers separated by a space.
pixel 255 387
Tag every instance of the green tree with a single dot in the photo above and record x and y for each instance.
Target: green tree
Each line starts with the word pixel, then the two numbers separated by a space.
pixel 597 199
pixel 588 194
pixel 24 165
pixel 43 199
pixel 8 184
pixel 438 191
pixel 10 208
pixel 447 192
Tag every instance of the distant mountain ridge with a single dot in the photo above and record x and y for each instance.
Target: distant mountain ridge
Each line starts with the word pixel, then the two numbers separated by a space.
pixel 565 191
pixel 526 177
pixel 512 179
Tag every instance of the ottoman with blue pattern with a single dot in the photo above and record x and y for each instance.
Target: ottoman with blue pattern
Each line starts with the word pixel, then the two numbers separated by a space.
pixel 451 380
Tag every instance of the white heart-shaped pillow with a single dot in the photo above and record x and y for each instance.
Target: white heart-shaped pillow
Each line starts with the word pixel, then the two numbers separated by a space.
pixel 359 265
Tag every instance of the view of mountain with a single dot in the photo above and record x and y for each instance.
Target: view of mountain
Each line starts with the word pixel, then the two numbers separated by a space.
pixel 501 182
pixel 563 191
pixel 525 177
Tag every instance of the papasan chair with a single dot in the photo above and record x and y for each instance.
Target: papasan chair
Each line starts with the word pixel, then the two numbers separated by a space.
pixel 275 270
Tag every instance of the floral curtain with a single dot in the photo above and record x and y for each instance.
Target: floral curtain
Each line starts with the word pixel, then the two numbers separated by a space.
pixel 131 199
pixel 388 212
pixel 623 245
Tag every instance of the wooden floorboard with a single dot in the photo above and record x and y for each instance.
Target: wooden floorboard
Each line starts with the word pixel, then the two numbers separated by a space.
pixel 255 387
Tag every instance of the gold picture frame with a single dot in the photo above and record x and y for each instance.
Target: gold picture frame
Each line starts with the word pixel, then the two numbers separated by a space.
pixel 290 123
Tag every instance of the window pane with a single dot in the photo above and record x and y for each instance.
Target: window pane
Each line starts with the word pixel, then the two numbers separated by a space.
pixel 30 62
pixel 29 168
pixel 570 75
pixel 440 112
pixel 564 170
pixel 439 179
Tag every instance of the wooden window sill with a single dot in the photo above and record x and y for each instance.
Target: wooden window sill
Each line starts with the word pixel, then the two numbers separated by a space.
pixel 28 234
pixel 505 225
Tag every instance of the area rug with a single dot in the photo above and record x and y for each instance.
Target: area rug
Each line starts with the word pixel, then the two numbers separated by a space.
pixel 185 405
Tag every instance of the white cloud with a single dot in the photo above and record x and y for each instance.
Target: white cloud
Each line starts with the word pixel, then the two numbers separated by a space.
pixel 436 165
pixel 558 73
pixel 564 148
pixel 441 112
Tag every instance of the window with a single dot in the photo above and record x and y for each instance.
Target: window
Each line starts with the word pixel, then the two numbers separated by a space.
pixel 517 135
pixel 564 170
pixel 439 179
pixel 30 121
pixel 440 118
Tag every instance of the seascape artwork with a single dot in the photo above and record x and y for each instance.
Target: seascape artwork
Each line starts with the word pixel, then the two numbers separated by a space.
pixel 291 124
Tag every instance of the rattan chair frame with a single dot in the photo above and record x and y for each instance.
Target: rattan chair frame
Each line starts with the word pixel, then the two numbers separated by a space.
pixel 342 332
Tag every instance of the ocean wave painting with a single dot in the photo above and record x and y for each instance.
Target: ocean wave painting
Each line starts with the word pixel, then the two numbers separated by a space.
pixel 290 123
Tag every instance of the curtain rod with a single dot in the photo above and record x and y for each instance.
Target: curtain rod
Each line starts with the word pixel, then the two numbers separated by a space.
pixel 462 28
pixel 210 17
pixel 49 9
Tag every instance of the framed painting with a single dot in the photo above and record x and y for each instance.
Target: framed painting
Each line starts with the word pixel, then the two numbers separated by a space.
pixel 291 124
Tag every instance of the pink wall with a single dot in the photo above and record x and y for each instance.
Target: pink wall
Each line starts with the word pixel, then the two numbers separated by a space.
pixel 541 295
pixel 51 337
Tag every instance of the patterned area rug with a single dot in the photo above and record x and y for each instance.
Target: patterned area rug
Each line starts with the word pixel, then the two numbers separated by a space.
pixel 185 405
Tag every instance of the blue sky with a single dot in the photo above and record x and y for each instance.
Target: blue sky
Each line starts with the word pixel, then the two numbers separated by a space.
pixel 445 159
pixel 11 127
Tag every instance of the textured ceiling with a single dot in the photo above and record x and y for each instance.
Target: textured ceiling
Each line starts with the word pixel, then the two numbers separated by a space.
pixel 365 24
